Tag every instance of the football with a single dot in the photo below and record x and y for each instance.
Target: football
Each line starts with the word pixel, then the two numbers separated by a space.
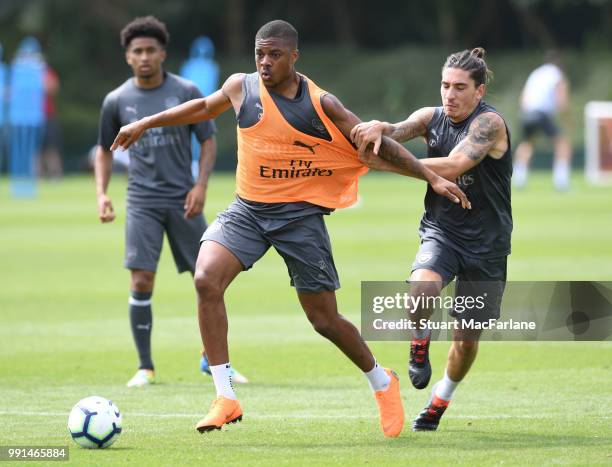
pixel 94 422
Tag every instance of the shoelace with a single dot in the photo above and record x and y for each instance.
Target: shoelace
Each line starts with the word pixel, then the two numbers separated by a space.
pixel 418 351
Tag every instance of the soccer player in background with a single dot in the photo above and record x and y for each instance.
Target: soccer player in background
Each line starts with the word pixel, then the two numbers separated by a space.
pixel 162 195
pixel 295 165
pixel 545 97
pixel 467 141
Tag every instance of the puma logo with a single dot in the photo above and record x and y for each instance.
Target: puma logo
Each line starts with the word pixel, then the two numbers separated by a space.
pixel 304 145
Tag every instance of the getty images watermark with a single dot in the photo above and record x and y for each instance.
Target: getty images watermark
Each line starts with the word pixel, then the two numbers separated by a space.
pixel 553 311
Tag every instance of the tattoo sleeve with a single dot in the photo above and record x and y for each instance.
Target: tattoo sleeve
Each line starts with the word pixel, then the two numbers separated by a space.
pixel 480 139
pixel 401 158
pixel 406 130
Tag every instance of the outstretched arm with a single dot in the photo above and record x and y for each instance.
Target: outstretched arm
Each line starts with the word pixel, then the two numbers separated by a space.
pixel 192 111
pixel 372 132
pixel 346 121
pixel 393 152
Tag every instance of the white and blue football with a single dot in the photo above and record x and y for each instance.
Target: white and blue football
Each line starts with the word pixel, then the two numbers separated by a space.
pixel 94 422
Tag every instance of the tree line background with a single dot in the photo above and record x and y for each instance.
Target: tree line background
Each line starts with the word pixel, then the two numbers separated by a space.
pixel 381 58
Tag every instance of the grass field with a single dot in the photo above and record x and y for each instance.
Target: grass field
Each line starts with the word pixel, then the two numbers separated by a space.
pixel 64 335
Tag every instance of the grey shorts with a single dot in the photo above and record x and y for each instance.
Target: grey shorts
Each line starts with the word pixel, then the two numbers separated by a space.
pixel 484 278
pixel 144 237
pixel 302 242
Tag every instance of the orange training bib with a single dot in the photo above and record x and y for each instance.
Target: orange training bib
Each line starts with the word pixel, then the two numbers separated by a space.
pixel 277 163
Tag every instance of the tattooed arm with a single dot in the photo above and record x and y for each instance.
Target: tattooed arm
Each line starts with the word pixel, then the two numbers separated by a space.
pixel 392 155
pixel 396 157
pixel 400 160
pixel 415 125
pixel 487 135
pixel 372 132
pixel 368 137
pixel 345 120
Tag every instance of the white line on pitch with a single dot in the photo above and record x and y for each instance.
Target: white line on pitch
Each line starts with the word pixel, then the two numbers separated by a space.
pixel 290 415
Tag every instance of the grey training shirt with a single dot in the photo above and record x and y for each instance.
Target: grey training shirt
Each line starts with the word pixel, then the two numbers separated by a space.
pixel 159 173
pixel 483 231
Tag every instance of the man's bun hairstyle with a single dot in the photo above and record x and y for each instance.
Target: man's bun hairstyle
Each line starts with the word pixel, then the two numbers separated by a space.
pixel 472 61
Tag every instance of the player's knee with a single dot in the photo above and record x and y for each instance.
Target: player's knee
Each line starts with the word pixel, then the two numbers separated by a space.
pixel 427 290
pixel 142 281
pixel 466 347
pixel 207 285
pixel 322 326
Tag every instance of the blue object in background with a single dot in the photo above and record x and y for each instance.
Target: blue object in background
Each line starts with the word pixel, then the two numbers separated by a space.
pixel 3 126
pixel 202 69
pixel 25 116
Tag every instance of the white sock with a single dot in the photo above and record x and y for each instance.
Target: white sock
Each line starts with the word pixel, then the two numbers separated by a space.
pixel 378 378
pixel 519 175
pixel 561 173
pixel 223 381
pixel 445 388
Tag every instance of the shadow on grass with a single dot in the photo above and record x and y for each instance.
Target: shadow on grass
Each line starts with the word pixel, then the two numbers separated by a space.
pixel 459 440
pixel 469 440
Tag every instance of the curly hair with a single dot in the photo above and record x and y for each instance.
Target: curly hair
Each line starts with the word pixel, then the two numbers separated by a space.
pixel 145 26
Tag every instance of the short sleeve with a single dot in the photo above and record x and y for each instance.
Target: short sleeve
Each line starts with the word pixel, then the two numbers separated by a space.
pixel 109 122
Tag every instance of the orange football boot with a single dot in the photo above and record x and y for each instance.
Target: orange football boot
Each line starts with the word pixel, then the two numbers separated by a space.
pixel 222 411
pixel 390 407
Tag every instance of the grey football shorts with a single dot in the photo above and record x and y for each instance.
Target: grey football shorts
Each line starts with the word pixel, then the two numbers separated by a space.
pixel 303 243
pixel 144 236
pixel 484 278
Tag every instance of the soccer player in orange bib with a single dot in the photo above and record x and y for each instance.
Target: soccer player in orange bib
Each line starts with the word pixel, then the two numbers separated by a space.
pixel 295 165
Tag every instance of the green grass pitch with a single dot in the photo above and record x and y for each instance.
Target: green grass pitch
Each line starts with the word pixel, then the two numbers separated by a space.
pixel 64 335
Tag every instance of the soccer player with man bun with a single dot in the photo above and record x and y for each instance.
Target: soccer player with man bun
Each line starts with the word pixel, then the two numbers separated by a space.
pixel 467 141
